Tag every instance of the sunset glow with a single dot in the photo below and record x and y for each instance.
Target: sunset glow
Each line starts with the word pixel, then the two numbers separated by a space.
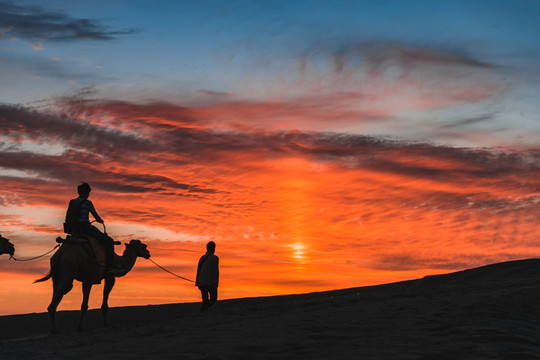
pixel 314 163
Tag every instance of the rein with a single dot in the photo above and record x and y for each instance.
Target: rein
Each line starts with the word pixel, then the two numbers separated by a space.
pixel 36 257
pixel 170 272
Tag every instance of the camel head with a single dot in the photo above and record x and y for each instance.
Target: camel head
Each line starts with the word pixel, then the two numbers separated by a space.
pixel 139 248
pixel 6 247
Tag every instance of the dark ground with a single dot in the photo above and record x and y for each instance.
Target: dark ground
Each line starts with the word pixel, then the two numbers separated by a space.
pixel 491 312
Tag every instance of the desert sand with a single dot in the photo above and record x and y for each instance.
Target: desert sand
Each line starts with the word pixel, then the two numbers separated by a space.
pixel 491 312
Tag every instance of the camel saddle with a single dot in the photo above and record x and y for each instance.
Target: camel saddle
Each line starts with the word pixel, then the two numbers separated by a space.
pixel 91 245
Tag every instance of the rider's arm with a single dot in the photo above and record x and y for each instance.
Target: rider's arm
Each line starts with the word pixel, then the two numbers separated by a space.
pixel 95 214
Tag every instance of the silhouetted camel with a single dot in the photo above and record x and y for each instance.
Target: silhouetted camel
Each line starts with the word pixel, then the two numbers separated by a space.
pixel 72 262
pixel 6 247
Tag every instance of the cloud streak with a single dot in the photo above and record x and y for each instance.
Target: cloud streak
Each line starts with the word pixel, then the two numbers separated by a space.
pixel 305 201
pixel 383 88
pixel 33 22
pixel 380 55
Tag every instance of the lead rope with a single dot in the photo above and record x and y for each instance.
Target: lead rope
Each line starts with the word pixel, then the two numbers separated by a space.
pixel 36 257
pixel 170 272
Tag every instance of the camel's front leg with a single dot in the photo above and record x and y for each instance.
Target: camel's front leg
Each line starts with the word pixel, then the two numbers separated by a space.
pixel 86 287
pixel 109 283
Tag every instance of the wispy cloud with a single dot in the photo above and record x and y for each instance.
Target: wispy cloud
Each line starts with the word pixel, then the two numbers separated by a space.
pixel 33 22
pixel 37 46
pixel 161 142
pixel 359 205
pixel 381 88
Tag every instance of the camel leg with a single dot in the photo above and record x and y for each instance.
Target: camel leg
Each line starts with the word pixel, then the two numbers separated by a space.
pixel 86 287
pixel 59 290
pixel 57 297
pixel 109 283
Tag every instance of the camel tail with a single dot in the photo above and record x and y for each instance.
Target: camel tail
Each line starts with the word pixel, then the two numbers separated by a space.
pixel 54 263
pixel 45 278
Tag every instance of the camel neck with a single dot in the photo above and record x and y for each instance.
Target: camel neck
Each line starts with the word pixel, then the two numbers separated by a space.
pixel 128 258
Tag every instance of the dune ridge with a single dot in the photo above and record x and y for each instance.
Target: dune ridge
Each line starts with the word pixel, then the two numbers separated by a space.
pixel 490 312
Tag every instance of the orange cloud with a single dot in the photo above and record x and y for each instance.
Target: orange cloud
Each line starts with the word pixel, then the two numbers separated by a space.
pixel 291 211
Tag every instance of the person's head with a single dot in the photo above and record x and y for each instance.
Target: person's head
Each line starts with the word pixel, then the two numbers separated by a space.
pixel 211 247
pixel 84 189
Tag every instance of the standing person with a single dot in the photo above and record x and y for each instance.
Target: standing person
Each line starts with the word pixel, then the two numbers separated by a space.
pixel 208 276
pixel 78 216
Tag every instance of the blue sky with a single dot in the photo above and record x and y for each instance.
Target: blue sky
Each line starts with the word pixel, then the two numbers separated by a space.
pixel 174 50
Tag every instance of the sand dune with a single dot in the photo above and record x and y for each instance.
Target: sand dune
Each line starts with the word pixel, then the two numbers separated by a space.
pixel 492 312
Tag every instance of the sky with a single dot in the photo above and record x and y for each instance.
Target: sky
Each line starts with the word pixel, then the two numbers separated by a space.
pixel 321 145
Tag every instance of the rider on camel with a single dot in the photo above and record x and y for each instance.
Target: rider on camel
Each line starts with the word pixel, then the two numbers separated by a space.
pixel 83 225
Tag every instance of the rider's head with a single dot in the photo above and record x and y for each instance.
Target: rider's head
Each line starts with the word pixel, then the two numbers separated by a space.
pixel 84 189
pixel 211 247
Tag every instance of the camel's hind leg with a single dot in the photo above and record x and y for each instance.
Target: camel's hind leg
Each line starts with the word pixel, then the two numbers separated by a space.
pixel 57 297
pixel 58 294
pixel 86 287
